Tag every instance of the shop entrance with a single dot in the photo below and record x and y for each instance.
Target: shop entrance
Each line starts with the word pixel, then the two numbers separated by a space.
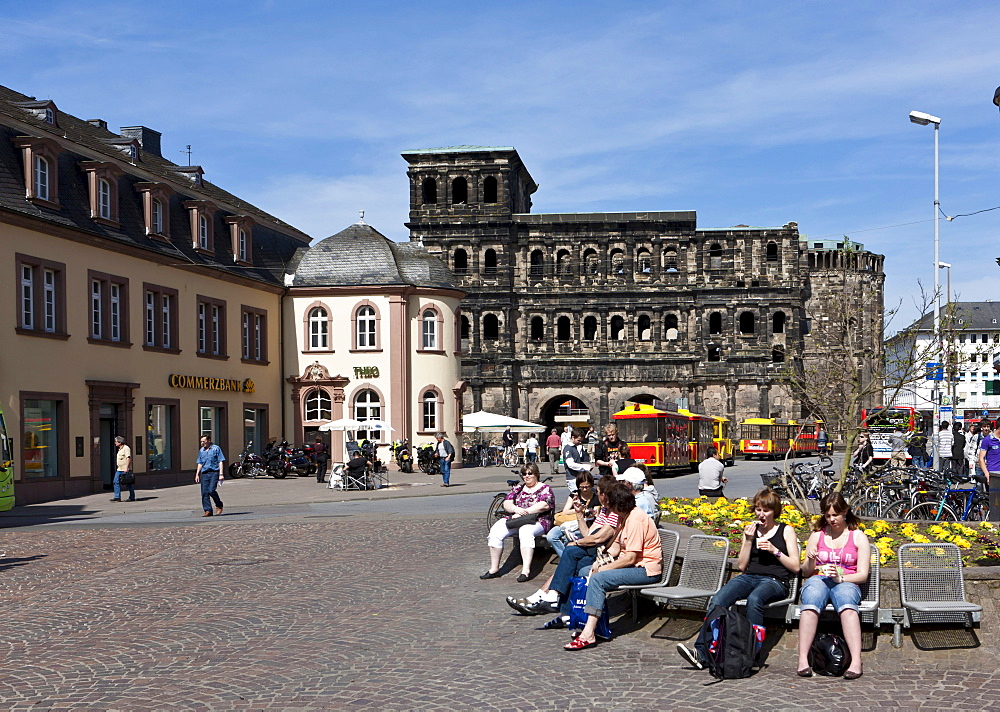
pixel 111 406
pixel 108 429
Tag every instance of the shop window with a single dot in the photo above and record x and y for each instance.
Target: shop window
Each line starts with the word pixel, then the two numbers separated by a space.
pixel 254 333
pixel 318 405
pixel 490 190
pixel 590 328
pixel 212 423
pixel 44 436
pixel 160 427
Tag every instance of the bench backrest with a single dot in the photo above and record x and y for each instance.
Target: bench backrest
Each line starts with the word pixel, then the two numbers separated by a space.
pixel 931 572
pixel 669 540
pixel 870 588
pixel 704 562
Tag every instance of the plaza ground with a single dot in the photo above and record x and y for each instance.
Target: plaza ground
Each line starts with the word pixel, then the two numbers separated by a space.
pixel 297 601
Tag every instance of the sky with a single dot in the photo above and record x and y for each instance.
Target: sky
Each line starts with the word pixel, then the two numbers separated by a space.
pixel 756 113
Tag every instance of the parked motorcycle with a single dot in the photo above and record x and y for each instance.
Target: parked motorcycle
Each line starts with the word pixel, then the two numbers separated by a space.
pixel 369 448
pixel 277 461
pixel 249 464
pixel 300 461
pixel 426 460
pixel 401 450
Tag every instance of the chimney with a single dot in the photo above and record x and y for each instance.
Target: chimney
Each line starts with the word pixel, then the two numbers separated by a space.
pixel 99 123
pixel 148 139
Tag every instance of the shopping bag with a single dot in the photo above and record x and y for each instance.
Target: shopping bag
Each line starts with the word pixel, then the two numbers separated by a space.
pixel 577 616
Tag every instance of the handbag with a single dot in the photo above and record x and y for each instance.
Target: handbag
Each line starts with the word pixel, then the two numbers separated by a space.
pixel 518 522
pixel 127 478
pixel 829 655
pixel 603 557
pixel 565 518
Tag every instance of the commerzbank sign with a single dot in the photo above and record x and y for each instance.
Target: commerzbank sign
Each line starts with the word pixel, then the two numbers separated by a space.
pixel 206 383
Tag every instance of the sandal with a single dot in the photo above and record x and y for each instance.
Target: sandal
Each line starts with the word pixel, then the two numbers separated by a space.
pixel 579 644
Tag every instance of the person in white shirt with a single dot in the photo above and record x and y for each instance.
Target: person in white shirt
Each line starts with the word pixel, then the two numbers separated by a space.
pixel 710 477
pixel 531 448
pixel 575 458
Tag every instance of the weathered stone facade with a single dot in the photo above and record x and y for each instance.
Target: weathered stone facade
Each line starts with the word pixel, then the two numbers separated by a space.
pixel 608 307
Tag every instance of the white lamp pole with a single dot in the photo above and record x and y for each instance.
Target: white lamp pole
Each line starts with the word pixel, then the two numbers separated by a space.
pixel 919 117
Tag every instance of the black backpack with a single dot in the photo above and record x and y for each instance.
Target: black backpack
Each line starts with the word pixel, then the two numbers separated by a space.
pixel 727 644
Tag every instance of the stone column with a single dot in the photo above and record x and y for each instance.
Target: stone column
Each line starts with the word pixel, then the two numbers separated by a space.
pixel 604 407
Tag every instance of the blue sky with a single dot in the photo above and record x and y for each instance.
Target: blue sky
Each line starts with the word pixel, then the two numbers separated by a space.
pixel 753 113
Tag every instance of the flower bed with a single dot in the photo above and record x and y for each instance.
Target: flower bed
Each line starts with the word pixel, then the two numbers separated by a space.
pixel 979 541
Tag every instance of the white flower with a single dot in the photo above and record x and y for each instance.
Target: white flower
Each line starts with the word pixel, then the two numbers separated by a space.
pixel 699 521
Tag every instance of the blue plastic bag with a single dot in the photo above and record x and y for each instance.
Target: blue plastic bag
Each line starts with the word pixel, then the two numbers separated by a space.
pixel 578 616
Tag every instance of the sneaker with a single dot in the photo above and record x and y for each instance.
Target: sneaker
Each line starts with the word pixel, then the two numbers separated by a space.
pixel 691 656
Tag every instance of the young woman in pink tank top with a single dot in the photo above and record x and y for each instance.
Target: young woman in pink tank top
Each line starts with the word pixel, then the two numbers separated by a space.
pixel 837 560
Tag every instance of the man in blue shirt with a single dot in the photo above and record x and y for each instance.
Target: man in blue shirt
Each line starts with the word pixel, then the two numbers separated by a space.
pixel 209 473
pixel 989 461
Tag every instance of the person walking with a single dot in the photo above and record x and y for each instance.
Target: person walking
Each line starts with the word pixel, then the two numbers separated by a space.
pixel 958 450
pixel 942 445
pixel 972 444
pixel 553 446
pixel 123 470
pixel 897 444
pixel 989 461
pixel 575 458
pixel 321 456
pixel 531 448
pixel 445 453
pixel 822 441
pixel 209 474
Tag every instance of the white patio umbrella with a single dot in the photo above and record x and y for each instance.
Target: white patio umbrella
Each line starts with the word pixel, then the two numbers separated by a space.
pixel 485 422
pixel 342 424
pixel 375 425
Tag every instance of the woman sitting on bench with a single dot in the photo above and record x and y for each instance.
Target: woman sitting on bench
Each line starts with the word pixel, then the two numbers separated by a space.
pixel 840 558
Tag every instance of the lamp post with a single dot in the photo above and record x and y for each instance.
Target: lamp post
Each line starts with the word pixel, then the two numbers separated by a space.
pixel 949 347
pixel 919 117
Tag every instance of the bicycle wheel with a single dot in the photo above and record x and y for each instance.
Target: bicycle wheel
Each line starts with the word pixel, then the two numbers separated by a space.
pixel 900 509
pixel 933 512
pixel 495 511
pixel 980 510
pixel 510 458
pixel 868 508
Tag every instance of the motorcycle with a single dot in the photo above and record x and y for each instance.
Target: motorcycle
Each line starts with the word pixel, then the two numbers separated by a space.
pixel 300 461
pixel 426 460
pixel 401 450
pixel 277 461
pixel 249 464
pixel 369 448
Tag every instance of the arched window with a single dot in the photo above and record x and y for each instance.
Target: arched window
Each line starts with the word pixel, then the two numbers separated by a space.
pixel 670 259
pixel 537 328
pixel 430 411
pixel 491 327
pixel 157 215
pixel 715 323
pixel 591 262
pixel 562 262
pixel 104 199
pixel 368 406
pixel 490 190
pixel 41 178
pixel 203 232
pixel 429 189
pixel 429 330
pixel 460 260
pixel 714 353
pixel 644 262
pixel 563 329
pixel 537 268
pixel 778 323
pixel 748 324
pixel 617 328
pixel 366 328
pixel 778 354
pixel 617 262
pixel 645 328
pixel 464 327
pixel 490 261
pixel 319 329
pixel 670 327
pixel 590 328
pixel 318 405
pixel 459 191
pixel 715 256
pixel 772 252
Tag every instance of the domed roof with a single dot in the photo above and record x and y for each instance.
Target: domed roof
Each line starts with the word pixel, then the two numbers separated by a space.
pixel 362 256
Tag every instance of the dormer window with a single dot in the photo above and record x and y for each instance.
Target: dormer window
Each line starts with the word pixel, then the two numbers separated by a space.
pixel 241 237
pixel 44 110
pixel 156 209
pixel 41 175
pixel 49 116
pixel 200 213
pixel 102 184
pixel 192 173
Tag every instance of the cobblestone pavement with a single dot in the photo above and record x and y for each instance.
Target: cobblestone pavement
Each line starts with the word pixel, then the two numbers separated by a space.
pixel 334 612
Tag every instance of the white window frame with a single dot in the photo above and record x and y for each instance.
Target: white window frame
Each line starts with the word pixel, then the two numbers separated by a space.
pixel 166 301
pixel 216 330
pixel 258 337
pixel 104 198
pixel 319 329
pixel 202 328
pixel 429 412
pixel 49 300
pixel 242 245
pixel 41 177
pixel 318 405
pixel 150 318
pixel 429 335
pixel 27 297
pixel 366 328
pixel 96 309
pixel 156 212
pixel 202 231
pixel 114 291
pixel 246 335
pixel 372 411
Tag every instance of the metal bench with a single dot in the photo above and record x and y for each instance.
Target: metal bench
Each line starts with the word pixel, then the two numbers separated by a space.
pixel 701 573
pixel 932 588
pixel 669 540
pixel 868 609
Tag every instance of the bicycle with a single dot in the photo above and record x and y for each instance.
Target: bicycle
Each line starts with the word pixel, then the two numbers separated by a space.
pixel 510 457
pixel 496 510
pixel 972 504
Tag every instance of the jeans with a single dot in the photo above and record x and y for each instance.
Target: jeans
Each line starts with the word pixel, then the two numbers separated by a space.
pixel 604 581
pixel 573 561
pixel 758 590
pixel 820 590
pixel 209 483
pixel 556 540
pixel 532 457
pixel 445 470
pixel 118 486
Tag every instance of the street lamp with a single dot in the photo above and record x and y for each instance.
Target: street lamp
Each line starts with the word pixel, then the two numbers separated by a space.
pixel 919 117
